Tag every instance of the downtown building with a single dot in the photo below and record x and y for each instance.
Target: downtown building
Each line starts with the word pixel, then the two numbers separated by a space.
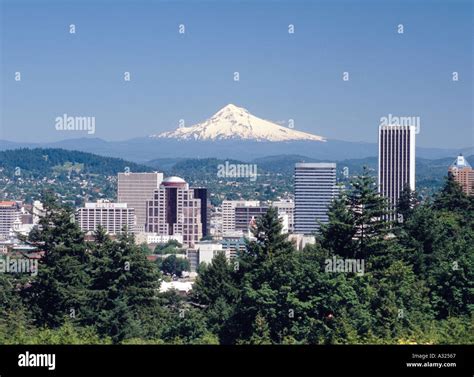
pixel 315 189
pixel 229 212
pixel 9 212
pixel 396 165
pixel 234 243
pixel 17 218
pixel 463 174
pixel 174 209
pixel 246 217
pixel 286 212
pixel 202 194
pixel 114 217
pixel 135 189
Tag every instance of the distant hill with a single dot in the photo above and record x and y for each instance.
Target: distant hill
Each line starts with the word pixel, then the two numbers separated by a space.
pixel 40 162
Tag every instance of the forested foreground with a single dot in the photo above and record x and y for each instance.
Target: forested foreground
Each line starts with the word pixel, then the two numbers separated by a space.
pixel 416 285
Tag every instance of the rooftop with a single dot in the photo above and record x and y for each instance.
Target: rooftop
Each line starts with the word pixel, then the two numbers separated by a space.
pixel 460 163
pixel 173 181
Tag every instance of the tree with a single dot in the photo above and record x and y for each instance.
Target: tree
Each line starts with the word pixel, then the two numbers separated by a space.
pixel 215 281
pixel 451 198
pixel 124 287
pixel 184 324
pixel 339 233
pixel 357 220
pixel 406 202
pixel 399 301
pixel 270 240
pixel 172 265
pixel 440 246
pixel 369 210
pixel 145 249
pixel 216 290
pixel 260 331
pixel 170 247
pixel 60 288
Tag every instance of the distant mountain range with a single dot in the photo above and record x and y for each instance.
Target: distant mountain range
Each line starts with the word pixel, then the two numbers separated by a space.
pixel 231 133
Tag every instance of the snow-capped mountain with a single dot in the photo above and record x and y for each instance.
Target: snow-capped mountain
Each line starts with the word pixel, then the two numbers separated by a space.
pixel 232 122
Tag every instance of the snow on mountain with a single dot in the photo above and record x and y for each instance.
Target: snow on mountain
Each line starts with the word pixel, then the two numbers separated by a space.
pixel 232 122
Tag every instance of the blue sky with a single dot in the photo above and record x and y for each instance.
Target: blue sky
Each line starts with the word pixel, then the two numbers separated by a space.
pixel 282 76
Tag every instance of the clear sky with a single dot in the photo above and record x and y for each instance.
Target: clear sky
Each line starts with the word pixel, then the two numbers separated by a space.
pixel 282 76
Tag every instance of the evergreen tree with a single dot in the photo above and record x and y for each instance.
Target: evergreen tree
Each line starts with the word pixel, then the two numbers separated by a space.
pixel 406 202
pixel 338 235
pixel 399 302
pixel 369 211
pixel 440 246
pixel 260 331
pixel 215 281
pixel 173 265
pixel 217 292
pixel 451 198
pixel 357 221
pixel 61 287
pixel 124 287
pixel 269 238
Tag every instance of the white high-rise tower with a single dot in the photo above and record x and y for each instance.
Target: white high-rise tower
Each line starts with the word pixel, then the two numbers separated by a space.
pixel 315 189
pixel 396 161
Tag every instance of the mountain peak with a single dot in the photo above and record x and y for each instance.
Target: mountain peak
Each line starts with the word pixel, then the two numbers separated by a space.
pixel 232 107
pixel 229 111
pixel 233 122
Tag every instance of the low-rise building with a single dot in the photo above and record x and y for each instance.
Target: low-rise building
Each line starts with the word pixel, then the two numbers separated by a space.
pixel 155 238
pixel 207 250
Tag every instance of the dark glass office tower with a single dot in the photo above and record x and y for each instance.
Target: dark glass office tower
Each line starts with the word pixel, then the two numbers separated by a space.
pixel 201 194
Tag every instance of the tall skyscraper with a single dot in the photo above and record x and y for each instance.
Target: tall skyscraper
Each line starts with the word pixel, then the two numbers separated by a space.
pixel 173 209
pixel 112 216
pixel 315 188
pixel 396 161
pixel 463 174
pixel 136 189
